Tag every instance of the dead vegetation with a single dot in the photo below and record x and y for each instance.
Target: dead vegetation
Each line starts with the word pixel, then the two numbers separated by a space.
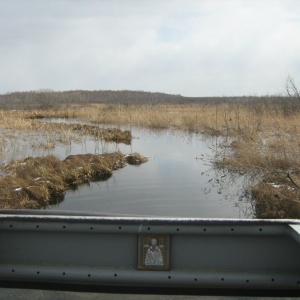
pixel 262 140
pixel 23 121
pixel 37 182
pixel 22 125
pixel 106 134
pixel 263 137
pixel 277 196
pixel 135 159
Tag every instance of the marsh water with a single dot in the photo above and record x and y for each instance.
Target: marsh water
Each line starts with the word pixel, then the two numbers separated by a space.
pixel 178 180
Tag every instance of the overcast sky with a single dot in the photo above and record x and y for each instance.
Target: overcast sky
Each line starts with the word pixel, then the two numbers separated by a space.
pixel 187 47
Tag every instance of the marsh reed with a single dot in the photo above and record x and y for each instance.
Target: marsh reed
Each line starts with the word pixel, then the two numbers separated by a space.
pixel 262 138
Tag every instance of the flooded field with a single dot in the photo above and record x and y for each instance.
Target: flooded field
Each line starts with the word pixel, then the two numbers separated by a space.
pixel 198 157
pixel 178 180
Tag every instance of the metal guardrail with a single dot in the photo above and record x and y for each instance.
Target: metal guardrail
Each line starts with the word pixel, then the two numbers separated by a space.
pixel 144 252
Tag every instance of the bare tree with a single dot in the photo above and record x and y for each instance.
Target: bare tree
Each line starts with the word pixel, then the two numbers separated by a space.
pixel 291 88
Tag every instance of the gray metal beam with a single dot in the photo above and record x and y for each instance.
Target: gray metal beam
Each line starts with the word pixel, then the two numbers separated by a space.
pixel 103 250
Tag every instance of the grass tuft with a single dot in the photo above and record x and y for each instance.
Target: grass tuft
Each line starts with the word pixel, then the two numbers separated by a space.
pixel 37 182
pixel 135 159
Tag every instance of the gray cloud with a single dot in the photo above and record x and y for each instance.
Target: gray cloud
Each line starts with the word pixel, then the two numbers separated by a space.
pixel 190 47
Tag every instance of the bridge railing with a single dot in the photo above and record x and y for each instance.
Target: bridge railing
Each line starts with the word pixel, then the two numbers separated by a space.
pixel 149 252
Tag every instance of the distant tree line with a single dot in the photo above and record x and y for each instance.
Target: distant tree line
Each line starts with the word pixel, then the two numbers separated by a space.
pixel 47 99
pixel 51 99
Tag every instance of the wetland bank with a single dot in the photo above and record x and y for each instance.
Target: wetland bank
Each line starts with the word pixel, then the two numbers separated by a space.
pixel 216 157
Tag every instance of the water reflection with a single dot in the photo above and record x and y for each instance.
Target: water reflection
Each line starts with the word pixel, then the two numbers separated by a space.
pixel 178 180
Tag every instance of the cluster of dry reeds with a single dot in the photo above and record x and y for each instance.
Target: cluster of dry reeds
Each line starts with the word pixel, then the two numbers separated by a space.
pixel 16 124
pixel 277 196
pixel 106 134
pixel 41 181
pixel 135 159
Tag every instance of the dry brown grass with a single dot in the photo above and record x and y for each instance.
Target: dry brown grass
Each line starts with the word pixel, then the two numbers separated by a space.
pixel 243 120
pixel 277 196
pixel 222 118
pixel 266 139
pixel 107 134
pixel 51 134
pixel 135 159
pixel 41 181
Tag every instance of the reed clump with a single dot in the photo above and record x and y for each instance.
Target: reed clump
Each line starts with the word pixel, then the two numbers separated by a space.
pixel 135 159
pixel 106 134
pixel 37 182
pixel 25 122
pixel 277 196
pixel 265 157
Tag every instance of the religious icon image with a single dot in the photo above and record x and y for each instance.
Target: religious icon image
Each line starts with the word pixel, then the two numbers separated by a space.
pixel 153 255
pixel 154 252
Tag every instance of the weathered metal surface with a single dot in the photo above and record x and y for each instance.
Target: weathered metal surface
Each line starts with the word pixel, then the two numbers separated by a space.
pixel 103 250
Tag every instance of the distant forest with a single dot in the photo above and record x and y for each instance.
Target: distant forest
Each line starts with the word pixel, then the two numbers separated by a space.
pixel 47 99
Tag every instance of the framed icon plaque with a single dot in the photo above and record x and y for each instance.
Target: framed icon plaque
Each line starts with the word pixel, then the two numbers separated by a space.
pixel 154 252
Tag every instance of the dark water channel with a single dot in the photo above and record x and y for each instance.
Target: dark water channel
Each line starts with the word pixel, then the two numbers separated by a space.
pixel 178 180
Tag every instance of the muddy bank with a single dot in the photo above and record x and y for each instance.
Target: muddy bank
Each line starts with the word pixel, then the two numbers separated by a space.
pixel 275 187
pixel 35 183
pixel 277 196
